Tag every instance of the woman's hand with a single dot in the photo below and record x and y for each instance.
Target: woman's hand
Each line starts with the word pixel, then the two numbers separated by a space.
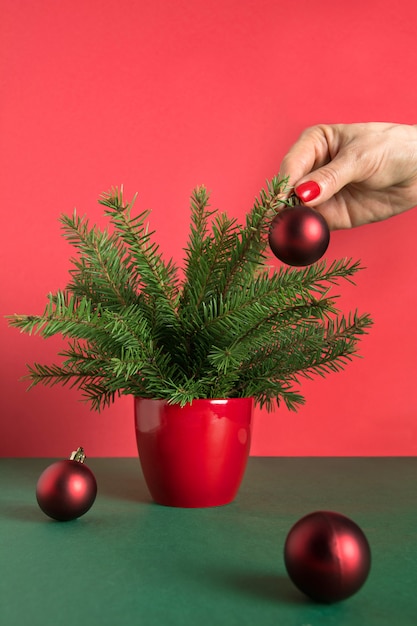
pixel 355 174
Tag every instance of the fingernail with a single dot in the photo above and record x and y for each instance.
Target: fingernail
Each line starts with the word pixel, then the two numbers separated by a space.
pixel 307 191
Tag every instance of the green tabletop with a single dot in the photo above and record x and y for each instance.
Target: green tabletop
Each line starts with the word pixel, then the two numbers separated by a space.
pixel 130 561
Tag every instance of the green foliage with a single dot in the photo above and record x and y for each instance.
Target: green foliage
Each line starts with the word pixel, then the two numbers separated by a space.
pixel 229 327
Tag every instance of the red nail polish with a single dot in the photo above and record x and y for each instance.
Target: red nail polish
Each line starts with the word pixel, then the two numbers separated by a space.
pixel 307 191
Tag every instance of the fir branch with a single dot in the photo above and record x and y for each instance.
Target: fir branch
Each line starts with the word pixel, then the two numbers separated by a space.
pixel 64 314
pixel 309 351
pixel 316 278
pixel 50 375
pixel 92 386
pixel 101 272
pixel 249 252
pixel 98 396
pixel 244 316
pixel 205 252
pixel 228 354
pixel 157 278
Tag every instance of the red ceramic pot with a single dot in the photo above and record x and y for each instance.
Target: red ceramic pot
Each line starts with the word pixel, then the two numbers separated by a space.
pixel 196 455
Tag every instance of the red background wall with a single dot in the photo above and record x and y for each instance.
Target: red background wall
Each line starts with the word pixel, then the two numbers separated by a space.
pixel 162 96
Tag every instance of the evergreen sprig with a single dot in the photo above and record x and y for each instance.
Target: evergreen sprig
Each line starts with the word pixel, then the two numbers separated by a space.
pixel 226 325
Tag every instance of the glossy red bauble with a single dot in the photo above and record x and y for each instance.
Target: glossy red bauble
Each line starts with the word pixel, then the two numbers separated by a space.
pixel 195 455
pixel 299 235
pixel 66 490
pixel 327 556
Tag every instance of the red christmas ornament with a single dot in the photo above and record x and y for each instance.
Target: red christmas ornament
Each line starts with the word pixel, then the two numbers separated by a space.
pixel 327 556
pixel 67 489
pixel 299 235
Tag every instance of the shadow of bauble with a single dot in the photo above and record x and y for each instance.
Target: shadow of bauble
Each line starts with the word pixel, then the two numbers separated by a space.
pixel 121 481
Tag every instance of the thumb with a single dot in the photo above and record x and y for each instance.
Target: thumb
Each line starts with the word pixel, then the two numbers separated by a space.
pixel 323 183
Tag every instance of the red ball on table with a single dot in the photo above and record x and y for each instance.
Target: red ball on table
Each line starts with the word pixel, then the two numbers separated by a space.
pixel 299 235
pixel 66 489
pixel 327 556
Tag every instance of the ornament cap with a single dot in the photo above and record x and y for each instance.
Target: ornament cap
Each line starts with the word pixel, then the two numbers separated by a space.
pixel 78 455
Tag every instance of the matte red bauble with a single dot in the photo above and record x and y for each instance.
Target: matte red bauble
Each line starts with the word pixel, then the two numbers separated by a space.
pixel 327 556
pixel 299 235
pixel 67 489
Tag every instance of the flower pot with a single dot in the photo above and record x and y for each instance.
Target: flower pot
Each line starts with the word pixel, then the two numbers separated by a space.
pixel 195 455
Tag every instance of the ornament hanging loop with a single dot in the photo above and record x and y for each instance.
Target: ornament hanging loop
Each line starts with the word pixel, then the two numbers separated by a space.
pixel 78 455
